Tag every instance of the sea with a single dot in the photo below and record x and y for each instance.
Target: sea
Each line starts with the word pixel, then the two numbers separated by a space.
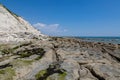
pixel 113 40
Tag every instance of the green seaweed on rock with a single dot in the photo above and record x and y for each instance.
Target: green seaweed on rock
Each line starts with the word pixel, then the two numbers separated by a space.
pixel 7 73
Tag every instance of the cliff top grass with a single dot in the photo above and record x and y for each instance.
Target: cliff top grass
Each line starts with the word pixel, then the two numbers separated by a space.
pixel 15 15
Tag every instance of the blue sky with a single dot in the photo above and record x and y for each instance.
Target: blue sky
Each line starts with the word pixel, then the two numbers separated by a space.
pixel 70 17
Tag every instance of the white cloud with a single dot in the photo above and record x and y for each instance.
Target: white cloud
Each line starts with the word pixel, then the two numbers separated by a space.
pixel 50 29
pixel 39 25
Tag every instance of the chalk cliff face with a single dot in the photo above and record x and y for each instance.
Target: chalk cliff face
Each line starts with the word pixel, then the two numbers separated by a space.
pixel 15 28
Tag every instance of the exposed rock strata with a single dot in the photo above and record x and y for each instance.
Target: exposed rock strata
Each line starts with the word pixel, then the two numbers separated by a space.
pixel 66 59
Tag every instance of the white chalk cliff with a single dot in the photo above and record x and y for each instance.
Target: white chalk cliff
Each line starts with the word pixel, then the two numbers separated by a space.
pixel 15 28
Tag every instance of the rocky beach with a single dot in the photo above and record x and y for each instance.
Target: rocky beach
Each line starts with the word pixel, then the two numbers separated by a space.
pixel 27 54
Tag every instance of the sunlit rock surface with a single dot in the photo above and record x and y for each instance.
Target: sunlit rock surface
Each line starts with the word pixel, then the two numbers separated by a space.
pixel 15 28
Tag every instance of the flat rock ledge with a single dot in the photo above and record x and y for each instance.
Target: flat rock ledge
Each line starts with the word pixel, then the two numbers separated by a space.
pixel 62 59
